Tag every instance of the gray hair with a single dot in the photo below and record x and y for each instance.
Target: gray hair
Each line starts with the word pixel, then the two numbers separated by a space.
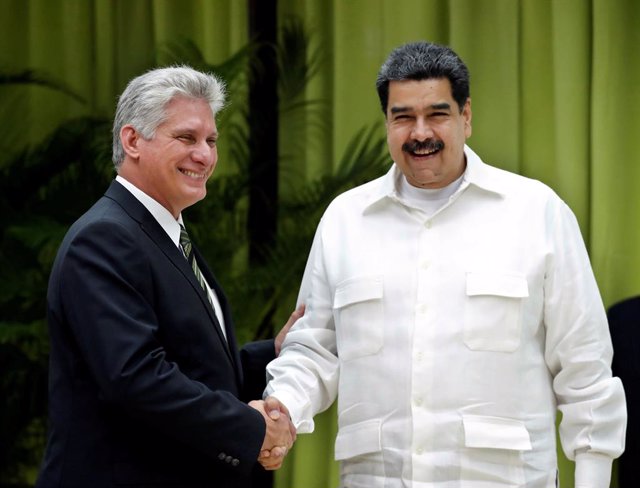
pixel 421 61
pixel 144 100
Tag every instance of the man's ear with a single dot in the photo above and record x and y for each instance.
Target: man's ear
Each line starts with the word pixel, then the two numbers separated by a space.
pixel 466 114
pixel 130 139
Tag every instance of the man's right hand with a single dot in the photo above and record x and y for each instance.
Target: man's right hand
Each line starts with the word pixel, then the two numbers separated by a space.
pixel 280 433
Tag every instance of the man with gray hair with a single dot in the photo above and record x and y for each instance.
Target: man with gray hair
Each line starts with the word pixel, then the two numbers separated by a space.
pixel 452 310
pixel 147 386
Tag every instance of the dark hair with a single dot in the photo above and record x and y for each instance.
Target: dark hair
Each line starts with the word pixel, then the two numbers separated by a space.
pixel 420 61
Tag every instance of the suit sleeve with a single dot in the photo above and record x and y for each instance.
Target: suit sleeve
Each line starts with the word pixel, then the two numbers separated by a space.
pixel 255 356
pixel 105 295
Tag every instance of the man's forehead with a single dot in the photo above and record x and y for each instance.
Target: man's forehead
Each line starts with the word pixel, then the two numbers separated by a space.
pixel 398 108
pixel 434 93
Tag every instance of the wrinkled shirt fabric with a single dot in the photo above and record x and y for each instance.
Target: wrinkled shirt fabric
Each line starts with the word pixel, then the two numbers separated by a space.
pixel 452 339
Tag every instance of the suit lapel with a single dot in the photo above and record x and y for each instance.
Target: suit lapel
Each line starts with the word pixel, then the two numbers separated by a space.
pixel 156 233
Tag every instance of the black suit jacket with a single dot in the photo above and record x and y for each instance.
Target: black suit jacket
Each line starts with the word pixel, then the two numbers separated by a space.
pixel 624 323
pixel 144 389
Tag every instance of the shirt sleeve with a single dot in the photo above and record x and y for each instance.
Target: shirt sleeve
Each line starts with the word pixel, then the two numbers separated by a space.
pixel 578 352
pixel 305 375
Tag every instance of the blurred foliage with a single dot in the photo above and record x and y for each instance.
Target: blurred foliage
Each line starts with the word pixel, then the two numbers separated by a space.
pixel 43 188
pixel 46 186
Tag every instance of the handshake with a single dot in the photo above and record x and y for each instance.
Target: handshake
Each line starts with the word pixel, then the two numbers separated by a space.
pixel 280 433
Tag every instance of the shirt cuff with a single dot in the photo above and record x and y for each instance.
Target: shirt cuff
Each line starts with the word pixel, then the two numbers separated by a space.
pixel 302 426
pixel 593 470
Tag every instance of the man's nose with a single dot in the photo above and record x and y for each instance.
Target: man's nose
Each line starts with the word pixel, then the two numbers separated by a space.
pixel 204 153
pixel 421 130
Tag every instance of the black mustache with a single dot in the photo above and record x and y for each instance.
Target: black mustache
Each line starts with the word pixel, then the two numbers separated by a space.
pixel 429 145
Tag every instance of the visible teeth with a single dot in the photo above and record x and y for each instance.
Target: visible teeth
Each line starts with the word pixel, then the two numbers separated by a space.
pixel 192 174
pixel 425 152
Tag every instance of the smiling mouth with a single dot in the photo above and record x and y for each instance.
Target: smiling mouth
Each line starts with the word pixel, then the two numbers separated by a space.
pixel 193 174
pixel 423 148
pixel 424 152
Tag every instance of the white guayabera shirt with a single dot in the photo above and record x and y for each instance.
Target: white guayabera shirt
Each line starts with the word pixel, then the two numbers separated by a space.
pixel 451 340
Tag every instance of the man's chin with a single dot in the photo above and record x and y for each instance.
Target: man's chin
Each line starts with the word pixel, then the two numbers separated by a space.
pixel 422 181
pixel 427 178
pixel 193 198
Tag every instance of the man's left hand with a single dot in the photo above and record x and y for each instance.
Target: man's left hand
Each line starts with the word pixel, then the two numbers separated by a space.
pixel 297 313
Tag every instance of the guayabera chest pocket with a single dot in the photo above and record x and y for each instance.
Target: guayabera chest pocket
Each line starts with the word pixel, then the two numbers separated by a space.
pixel 493 311
pixel 359 316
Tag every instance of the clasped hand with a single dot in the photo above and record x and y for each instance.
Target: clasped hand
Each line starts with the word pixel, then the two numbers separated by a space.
pixel 280 434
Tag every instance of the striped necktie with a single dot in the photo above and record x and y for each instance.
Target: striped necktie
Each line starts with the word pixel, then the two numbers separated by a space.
pixel 185 243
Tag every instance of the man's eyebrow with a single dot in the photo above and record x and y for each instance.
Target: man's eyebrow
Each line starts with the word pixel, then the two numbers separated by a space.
pixel 398 110
pixel 191 130
pixel 435 106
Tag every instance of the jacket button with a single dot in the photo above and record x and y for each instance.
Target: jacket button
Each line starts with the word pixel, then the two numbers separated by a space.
pixel 235 462
pixel 228 459
pixel 222 456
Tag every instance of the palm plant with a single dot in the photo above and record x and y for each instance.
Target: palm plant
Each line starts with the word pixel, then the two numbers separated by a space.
pixel 40 187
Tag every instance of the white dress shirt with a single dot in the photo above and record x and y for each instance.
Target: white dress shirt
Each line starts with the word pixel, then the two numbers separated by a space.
pixel 172 227
pixel 451 338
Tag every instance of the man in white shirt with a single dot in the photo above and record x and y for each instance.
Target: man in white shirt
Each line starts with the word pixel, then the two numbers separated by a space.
pixel 451 309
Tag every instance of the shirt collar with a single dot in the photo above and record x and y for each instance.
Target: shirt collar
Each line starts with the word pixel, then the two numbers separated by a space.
pixel 170 225
pixel 477 173
pixel 482 175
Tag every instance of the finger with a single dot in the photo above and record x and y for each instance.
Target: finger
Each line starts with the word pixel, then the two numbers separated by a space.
pixel 279 452
pixel 274 407
pixel 257 404
pixel 276 458
pixel 273 467
pixel 271 463
pixel 274 414
pixel 270 466
pixel 271 403
pixel 296 314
